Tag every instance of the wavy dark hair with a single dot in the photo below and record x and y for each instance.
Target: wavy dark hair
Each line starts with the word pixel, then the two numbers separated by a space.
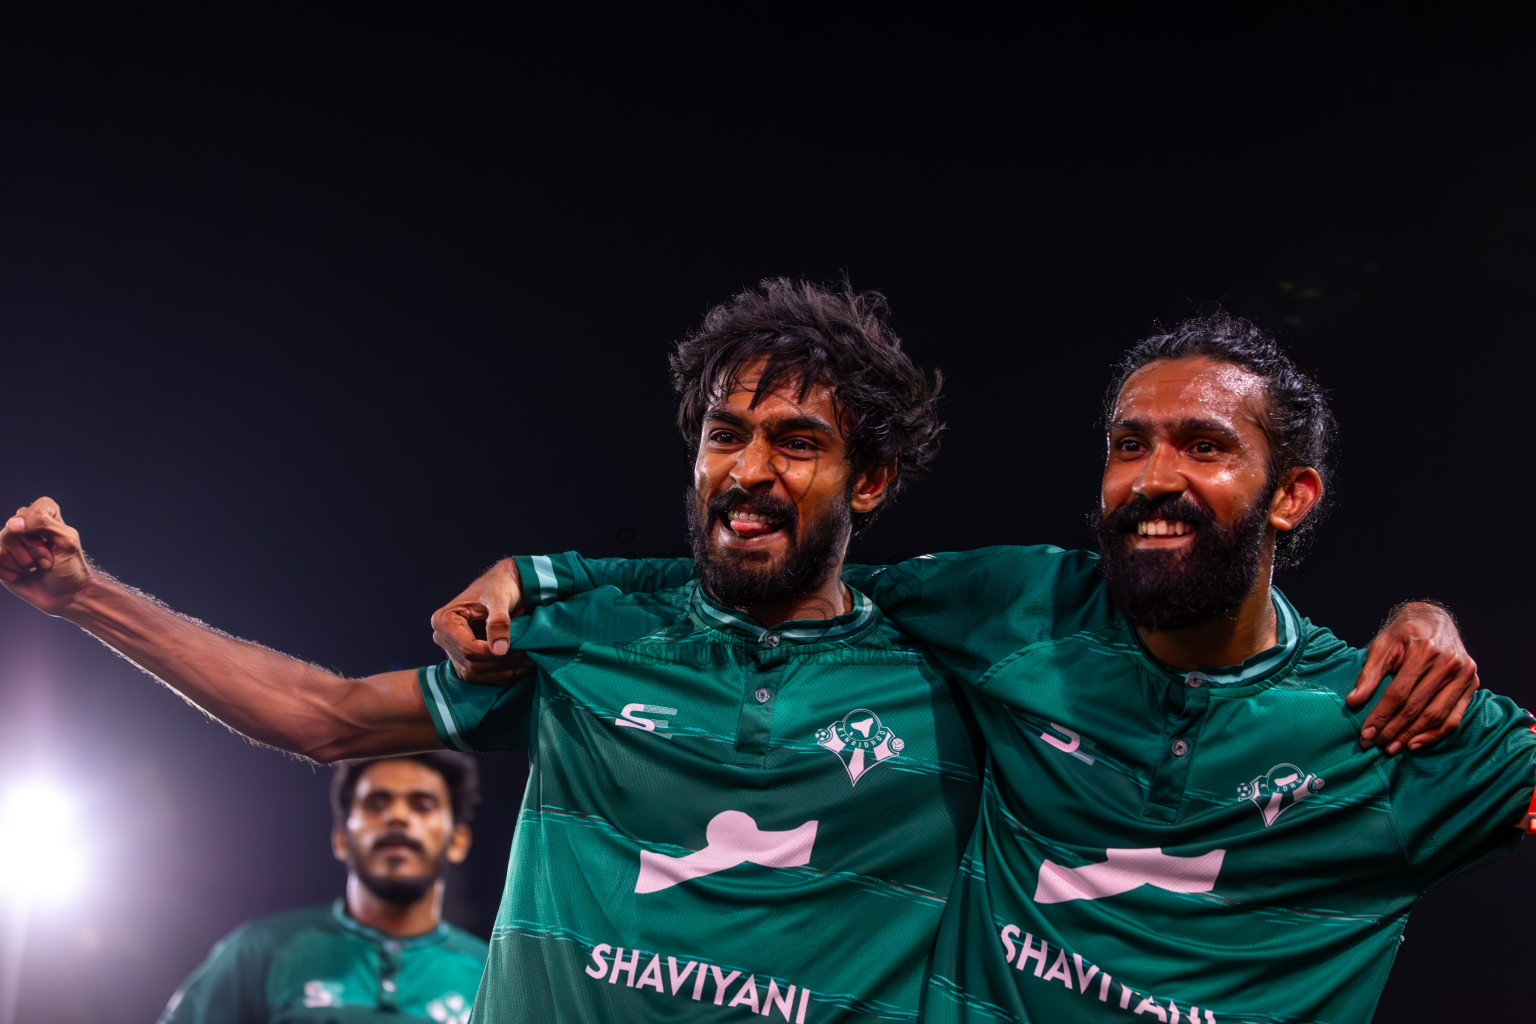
pixel 812 333
pixel 459 773
pixel 1298 424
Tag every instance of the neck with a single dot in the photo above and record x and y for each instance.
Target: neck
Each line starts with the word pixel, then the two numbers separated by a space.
pixel 402 920
pixel 827 599
pixel 1249 628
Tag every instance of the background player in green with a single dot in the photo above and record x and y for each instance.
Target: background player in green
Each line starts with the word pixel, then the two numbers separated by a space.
pixel 382 951
pixel 792 450
pixel 1175 823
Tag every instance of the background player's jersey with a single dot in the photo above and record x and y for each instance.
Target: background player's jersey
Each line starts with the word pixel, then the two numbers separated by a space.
pixel 316 965
pixel 1209 846
pixel 722 822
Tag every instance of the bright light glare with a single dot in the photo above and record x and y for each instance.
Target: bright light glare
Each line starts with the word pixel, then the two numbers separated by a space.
pixel 40 856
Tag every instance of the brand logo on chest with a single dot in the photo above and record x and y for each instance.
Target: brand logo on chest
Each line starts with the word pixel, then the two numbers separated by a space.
pixel 1282 788
pixel 861 741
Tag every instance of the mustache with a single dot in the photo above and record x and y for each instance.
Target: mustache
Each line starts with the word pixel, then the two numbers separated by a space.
pixel 398 839
pixel 777 509
pixel 1173 507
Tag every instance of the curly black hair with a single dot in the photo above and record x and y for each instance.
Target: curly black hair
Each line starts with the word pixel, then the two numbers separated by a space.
pixel 812 333
pixel 459 773
pixel 1298 424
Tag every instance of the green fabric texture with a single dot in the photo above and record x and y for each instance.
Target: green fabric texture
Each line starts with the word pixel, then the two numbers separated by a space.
pixel 1207 847
pixel 315 965
pixel 722 822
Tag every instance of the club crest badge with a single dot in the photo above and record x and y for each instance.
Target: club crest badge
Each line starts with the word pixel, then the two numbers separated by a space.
pixel 1283 787
pixel 861 741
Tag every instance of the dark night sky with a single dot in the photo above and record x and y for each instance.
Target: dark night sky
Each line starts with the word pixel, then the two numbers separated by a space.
pixel 306 318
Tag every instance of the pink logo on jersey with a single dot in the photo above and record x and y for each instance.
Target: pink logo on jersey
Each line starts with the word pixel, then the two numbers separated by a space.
pixel 860 741
pixel 1283 788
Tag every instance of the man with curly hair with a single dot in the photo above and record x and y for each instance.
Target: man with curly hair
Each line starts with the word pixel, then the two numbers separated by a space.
pixel 698 754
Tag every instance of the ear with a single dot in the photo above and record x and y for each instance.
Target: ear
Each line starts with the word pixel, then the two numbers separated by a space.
pixel 339 844
pixel 458 846
pixel 870 487
pixel 1298 492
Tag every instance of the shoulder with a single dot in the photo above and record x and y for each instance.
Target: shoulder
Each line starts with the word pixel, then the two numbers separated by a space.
pixel 280 928
pixel 605 615
pixel 1326 662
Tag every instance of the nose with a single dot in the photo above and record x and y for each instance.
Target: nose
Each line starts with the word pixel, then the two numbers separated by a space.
pixel 398 813
pixel 1159 473
pixel 753 467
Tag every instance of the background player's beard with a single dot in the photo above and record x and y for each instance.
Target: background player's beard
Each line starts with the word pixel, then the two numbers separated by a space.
pixel 748 579
pixel 1164 590
pixel 402 892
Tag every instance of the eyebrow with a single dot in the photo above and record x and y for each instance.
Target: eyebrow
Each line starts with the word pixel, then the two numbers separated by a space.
pixel 815 424
pixel 1187 425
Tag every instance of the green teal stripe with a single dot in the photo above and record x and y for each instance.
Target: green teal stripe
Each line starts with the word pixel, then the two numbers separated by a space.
pixel 442 711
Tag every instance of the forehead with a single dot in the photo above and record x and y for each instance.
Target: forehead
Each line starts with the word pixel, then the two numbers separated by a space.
pixel 400 777
pixel 736 388
pixel 1193 388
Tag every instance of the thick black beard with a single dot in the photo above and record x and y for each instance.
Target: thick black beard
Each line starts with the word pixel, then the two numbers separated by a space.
pixel 1167 590
pixel 749 579
pixel 401 892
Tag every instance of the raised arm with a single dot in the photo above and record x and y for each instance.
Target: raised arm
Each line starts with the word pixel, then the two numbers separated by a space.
pixel 261 693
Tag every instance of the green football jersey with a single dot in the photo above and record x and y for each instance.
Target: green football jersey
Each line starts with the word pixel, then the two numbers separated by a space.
pixel 316 965
pixel 1203 847
pixel 722 822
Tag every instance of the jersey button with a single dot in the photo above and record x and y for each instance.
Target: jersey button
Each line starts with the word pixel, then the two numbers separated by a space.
pixel 1180 748
pixel 770 640
pixel 1196 679
pixel 763 695
pixel 388 984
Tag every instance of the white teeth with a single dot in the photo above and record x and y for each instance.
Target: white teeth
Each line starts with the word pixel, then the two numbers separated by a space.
pixel 749 517
pixel 1162 528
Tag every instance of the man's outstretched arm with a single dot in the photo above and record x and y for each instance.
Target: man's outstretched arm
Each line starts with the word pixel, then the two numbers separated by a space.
pixel 265 695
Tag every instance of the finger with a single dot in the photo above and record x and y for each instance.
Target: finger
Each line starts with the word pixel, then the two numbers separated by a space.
pixel 1443 715
pixel 1376 659
pixel 1419 710
pixel 1429 706
pixel 498 632
pixel 17 551
pixel 503 674
pixel 1384 722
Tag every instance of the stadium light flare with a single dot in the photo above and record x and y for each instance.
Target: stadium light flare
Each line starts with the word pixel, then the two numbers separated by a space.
pixel 41 859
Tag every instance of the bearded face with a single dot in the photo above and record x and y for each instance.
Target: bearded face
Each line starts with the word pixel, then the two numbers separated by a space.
pixel 1164 589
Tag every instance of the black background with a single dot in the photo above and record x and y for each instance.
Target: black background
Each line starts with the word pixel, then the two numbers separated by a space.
pixel 306 317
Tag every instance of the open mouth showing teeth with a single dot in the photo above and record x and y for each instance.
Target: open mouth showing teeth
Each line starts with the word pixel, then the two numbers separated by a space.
pixel 1163 528
pixel 752 524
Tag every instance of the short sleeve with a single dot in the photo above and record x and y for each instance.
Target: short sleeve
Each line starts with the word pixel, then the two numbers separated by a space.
pixel 478 717
pixel 229 987
pixel 550 578
pixel 1457 802
pixel 974 608
pixel 474 717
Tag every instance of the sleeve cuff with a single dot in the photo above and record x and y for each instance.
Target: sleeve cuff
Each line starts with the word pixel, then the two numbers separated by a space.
pixel 550 578
pixel 438 684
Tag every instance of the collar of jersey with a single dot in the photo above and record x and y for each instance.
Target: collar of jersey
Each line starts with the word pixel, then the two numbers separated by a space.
pixel 729 620
pixel 1256 668
pixel 352 924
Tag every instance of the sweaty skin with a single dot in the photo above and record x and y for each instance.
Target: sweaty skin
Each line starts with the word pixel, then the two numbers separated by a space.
pixel 1193 427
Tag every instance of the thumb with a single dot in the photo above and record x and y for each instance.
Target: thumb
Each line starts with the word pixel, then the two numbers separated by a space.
pixel 498 631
